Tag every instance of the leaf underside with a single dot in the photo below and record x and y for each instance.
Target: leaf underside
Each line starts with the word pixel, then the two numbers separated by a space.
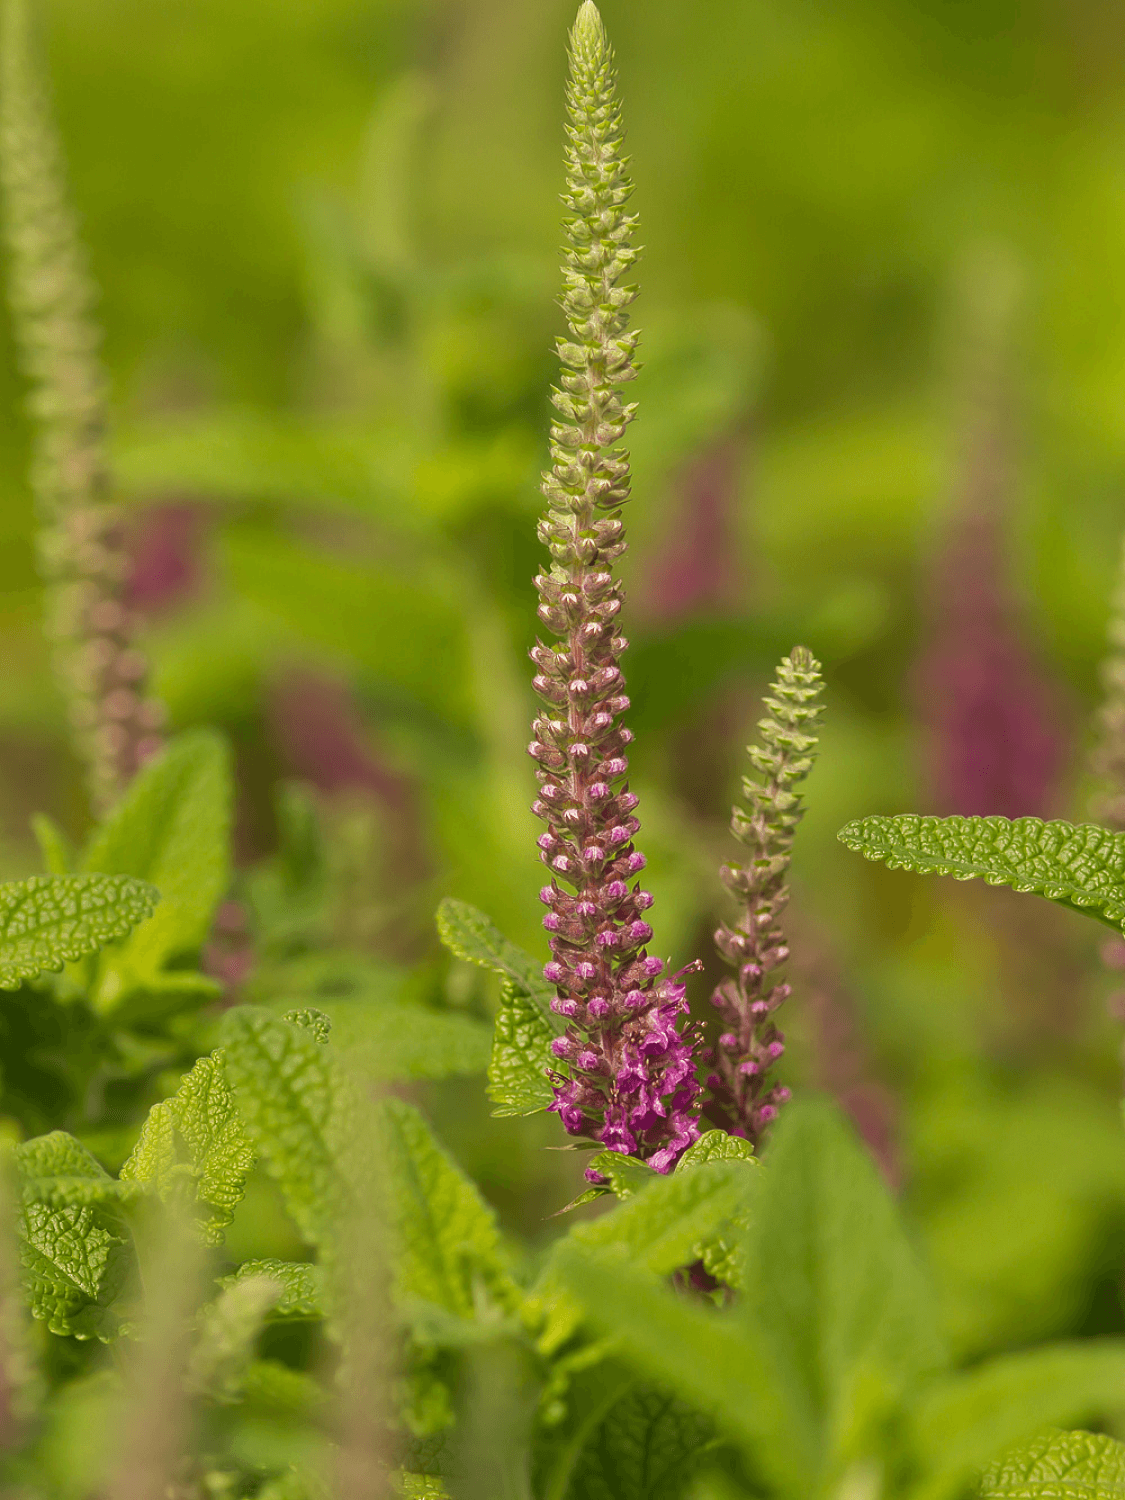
pixel 1080 866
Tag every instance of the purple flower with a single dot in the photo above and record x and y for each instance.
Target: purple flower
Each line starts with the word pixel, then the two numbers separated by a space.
pixel 629 1080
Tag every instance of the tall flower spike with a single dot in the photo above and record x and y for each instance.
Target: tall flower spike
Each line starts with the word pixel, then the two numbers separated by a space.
pixel 742 1100
pixel 626 1072
pixel 81 554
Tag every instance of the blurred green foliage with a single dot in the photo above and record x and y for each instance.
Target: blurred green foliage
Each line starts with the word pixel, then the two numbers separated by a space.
pixel 325 234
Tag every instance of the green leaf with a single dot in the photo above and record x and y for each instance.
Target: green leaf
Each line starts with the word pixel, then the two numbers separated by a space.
pixel 715 1145
pixel 447 1241
pixel 291 1098
pixel 833 1289
pixel 198 1127
pixel 49 920
pixel 712 1360
pixel 76 1258
pixel 54 846
pixel 625 1175
pixel 1079 866
pixel 402 1041
pixel 312 1020
pixel 469 935
pixel 302 1285
pixel 59 1171
pixel 227 1337
pixel 521 1054
pixel 1059 1466
pixel 525 1025
pixel 967 1420
pixel 646 1447
pixel 420 1486
pixel 658 1231
pixel 172 827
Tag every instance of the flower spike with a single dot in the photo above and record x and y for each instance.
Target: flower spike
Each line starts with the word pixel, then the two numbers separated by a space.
pixel 626 1072
pixel 742 1099
pixel 81 555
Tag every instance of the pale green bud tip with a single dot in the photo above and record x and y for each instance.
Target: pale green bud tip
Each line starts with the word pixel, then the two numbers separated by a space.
pixel 588 39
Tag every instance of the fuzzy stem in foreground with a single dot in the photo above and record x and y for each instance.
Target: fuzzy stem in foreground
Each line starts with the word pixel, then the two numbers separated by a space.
pixel 627 1075
pixel 81 554
pixel 742 1099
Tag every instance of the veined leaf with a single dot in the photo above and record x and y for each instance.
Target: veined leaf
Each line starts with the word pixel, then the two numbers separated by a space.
pixel 302 1285
pixel 447 1248
pixel 471 936
pixel 646 1447
pixel 49 920
pixel 715 1145
pixel 1059 1466
pixel 657 1231
pixel 521 1054
pixel 75 1255
pixel 172 827
pixel 199 1127
pixel 290 1095
pixel 713 1361
pixel 968 1420
pixel 1076 865
pixel 525 1024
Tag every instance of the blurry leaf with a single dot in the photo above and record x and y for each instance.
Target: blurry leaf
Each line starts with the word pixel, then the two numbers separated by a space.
pixel 172 827
pixel 201 1115
pixel 75 1258
pixel 54 845
pixel 712 1360
pixel 658 1230
pixel 446 1240
pixel 1079 866
pixel 49 920
pixel 469 935
pixel 1059 1466
pixel 967 1420
pixel 397 623
pixel 832 1287
pixel 646 1447
pixel 58 1170
pixel 290 1096
pixel 302 1285
pixel 401 1041
pixel 723 1255
pixel 227 1336
pixel 420 1486
pixel 521 1054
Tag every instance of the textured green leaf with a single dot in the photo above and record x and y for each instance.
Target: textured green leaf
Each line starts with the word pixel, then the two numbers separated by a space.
pixel 49 920
pixel 291 1098
pixel 715 1145
pixel 447 1241
pixel 624 1175
pixel 227 1336
pixel 75 1257
pixel 172 827
pixel 969 1420
pixel 312 1020
pixel 420 1486
pixel 525 1025
pixel 833 1289
pixel 1059 1466
pixel 521 1054
pixel 646 1447
pixel 302 1285
pixel 1076 865
pixel 198 1127
pixel 58 1170
pixel 469 935
pixel 658 1230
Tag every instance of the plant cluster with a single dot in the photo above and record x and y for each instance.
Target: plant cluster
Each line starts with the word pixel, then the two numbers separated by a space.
pixel 746 1317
